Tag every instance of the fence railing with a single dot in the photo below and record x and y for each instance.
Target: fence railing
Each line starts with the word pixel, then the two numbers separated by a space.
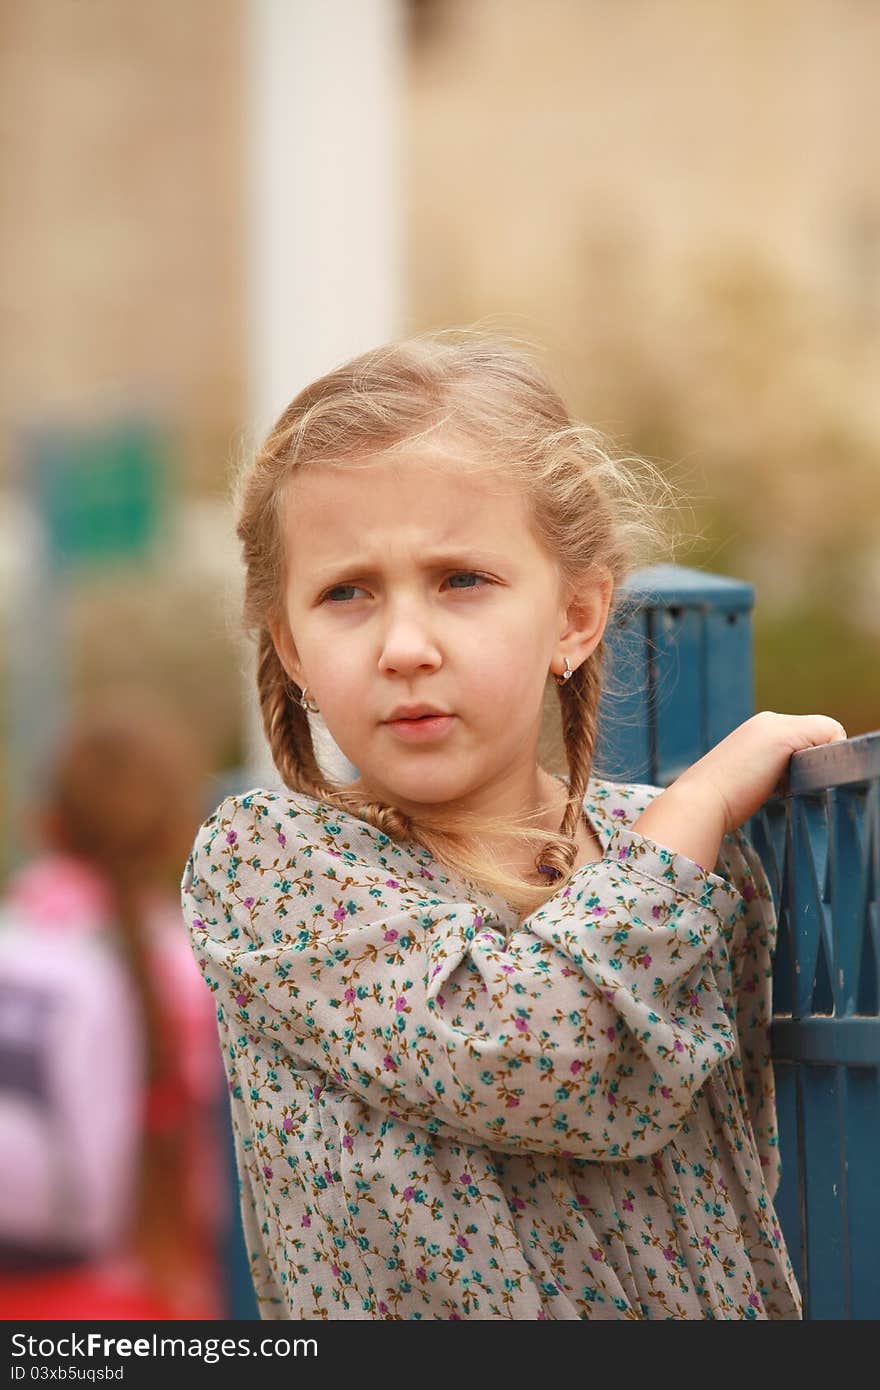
pixel 820 846
pixel 681 651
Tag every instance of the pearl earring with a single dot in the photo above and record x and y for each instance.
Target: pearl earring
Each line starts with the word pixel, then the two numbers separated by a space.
pixel 304 701
pixel 560 680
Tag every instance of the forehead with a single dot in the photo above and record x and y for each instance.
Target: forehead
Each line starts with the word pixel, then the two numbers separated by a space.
pixel 400 503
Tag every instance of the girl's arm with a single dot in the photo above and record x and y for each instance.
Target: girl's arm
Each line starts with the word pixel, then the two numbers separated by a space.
pixel 588 1033
pixel 751 947
pixel 686 822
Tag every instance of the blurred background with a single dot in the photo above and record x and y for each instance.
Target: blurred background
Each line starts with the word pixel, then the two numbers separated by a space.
pixel 208 203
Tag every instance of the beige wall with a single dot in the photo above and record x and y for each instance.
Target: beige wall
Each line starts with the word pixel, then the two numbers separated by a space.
pixel 688 129
pixel 120 239
pixel 555 149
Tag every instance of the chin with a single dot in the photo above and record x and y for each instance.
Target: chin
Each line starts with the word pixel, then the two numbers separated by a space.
pixel 426 792
pixel 411 785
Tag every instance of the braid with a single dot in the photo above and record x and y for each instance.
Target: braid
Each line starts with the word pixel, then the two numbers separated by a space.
pixel 388 819
pixel 285 723
pixel 579 700
pixel 293 752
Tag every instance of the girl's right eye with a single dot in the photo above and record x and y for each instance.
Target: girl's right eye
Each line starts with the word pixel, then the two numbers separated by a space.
pixel 336 588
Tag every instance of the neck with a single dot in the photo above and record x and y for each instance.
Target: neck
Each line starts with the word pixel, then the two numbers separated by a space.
pixel 512 796
pixel 544 793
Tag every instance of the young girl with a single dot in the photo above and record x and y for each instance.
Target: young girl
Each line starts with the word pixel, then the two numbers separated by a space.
pixel 118 1213
pixel 496 1041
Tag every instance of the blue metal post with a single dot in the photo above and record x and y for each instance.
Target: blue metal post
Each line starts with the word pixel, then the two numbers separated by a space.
pixel 679 674
pixel 681 680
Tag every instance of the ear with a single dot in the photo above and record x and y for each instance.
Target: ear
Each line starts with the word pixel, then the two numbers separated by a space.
pixel 585 616
pixel 286 648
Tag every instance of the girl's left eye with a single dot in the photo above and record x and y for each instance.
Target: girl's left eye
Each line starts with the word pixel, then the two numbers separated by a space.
pixel 470 574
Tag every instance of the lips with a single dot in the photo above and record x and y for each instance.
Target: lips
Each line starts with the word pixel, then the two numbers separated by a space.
pixel 413 712
pixel 422 729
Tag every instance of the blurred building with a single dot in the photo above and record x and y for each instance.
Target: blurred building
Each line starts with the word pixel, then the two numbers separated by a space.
pixel 680 202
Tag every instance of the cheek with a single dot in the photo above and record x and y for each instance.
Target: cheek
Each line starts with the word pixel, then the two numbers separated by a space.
pixel 342 676
pixel 506 679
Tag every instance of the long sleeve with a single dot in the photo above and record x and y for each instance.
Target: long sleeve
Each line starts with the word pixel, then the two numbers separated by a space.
pixel 587 1030
pixel 751 943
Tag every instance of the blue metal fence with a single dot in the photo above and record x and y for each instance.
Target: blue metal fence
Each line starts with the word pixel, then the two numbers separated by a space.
pixel 821 850
pixel 681 652
pixel 679 673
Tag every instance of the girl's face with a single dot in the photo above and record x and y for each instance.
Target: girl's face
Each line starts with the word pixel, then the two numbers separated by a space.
pixel 413 580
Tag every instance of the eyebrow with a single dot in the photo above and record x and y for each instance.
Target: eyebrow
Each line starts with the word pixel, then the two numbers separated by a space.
pixel 431 560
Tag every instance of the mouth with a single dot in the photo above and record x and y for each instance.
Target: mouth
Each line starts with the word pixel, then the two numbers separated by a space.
pixel 411 713
pixel 423 726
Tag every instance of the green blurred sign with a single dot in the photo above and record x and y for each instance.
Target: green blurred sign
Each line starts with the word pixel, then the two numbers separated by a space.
pixel 99 490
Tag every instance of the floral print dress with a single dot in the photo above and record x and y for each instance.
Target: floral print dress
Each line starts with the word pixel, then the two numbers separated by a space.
pixel 443 1111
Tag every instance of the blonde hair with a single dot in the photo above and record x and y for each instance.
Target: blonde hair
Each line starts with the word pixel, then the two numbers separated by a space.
pixel 590 511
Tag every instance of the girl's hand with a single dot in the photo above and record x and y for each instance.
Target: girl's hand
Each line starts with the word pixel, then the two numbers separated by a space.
pixel 742 771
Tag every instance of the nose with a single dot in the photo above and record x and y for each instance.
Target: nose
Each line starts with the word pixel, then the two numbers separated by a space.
pixel 408 644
